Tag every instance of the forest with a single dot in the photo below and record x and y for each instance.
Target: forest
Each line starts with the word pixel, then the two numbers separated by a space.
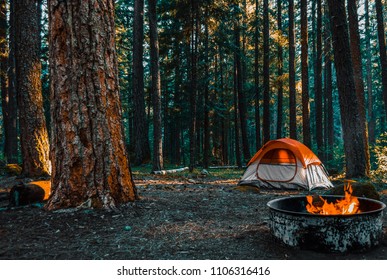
pixel 99 96
pixel 207 83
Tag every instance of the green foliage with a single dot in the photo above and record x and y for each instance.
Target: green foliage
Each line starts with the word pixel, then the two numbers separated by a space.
pixel 380 154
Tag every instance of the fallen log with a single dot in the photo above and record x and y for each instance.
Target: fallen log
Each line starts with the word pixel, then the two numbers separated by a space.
pixel 163 172
pixel 225 167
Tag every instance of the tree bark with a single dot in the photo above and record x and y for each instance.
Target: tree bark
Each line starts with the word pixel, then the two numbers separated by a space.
pixel 141 135
pixel 305 75
pixel 292 74
pixel 33 131
pixel 258 139
pixel 206 148
pixel 156 88
pixel 194 81
pixel 355 157
pixel 280 73
pixel 266 73
pixel 371 114
pixel 8 93
pixel 90 162
pixel 358 73
pixel 318 83
pixel 329 125
pixel 382 49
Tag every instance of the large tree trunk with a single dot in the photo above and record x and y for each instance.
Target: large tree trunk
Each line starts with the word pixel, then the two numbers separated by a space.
pixel 305 75
pixel 156 88
pixel 279 72
pixel 33 131
pixel 358 74
pixel 266 73
pixel 90 162
pixel 141 135
pixel 355 156
pixel 382 49
pixel 292 75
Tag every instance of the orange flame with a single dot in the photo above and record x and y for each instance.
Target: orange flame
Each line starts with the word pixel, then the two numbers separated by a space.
pixel 345 206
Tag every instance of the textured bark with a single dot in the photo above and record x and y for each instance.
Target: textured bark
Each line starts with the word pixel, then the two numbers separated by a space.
pixel 206 128
pixel 141 135
pixel 318 83
pixel 156 88
pixel 242 108
pixel 329 126
pixel 382 49
pixel 11 137
pixel 90 162
pixel 194 83
pixel 33 131
pixel 371 115
pixel 305 75
pixel 258 140
pixel 355 157
pixel 8 93
pixel 292 74
pixel 266 73
pixel 279 72
pixel 358 73
pixel 236 117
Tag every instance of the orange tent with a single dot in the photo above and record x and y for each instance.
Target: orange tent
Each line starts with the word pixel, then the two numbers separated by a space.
pixel 285 163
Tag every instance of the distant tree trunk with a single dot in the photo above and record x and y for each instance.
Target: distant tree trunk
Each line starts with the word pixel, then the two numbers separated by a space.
pixel 194 82
pixel 329 125
pixel 280 73
pixel 258 140
pixel 266 73
pixel 11 138
pixel 358 74
pixel 318 84
pixel 33 130
pixel 156 88
pixel 90 162
pixel 206 148
pixel 305 74
pixel 242 108
pixel 371 114
pixel 236 117
pixel 382 49
pixel 177 114
pixel 8 93
pixel 292 74
pixel 355 157
pixel 141 135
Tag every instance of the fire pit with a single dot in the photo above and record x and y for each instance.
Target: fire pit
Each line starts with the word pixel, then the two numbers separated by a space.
pixel 291 223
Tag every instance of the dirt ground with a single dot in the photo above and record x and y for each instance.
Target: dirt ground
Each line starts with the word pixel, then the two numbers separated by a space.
pixel 175 219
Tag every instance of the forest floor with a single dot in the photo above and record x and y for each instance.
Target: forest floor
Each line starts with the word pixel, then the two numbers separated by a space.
pixel 179 216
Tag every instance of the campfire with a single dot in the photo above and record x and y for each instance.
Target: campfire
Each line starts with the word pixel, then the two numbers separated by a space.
pixel 328 223
pixel 347 205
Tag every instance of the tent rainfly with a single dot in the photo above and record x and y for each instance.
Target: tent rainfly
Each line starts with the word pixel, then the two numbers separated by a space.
pixel 285 164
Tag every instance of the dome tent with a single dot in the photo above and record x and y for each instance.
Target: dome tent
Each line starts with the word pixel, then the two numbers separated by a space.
pixel 285 164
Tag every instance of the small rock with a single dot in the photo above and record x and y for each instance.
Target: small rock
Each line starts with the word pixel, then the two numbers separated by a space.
pixel 127 228
pixel 205 172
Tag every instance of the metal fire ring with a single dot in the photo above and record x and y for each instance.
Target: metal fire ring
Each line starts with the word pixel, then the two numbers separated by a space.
pixel 294 226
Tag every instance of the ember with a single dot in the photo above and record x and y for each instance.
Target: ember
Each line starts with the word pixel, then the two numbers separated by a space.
pixel 345 206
